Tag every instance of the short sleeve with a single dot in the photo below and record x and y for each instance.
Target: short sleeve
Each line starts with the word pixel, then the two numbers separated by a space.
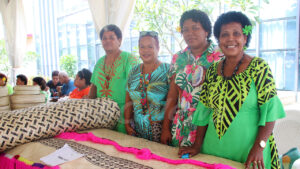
pixel 96 71
pixel 172 69
pixel 201 115
pixel 130 77
pixel 269 104
pixel 132 61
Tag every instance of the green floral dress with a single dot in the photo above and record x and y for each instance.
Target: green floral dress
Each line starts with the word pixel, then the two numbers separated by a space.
pixel 189 72
pixel 234 109
pixel 157 91
pixel 111 81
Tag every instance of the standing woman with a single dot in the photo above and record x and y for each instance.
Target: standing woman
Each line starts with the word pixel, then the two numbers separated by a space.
pixel 238 105
pixel 110 72
pixel 187 74
pixel 147 89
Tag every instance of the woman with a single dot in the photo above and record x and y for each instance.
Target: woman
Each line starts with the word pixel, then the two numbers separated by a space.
pixel 187 73
pixel 54 83
pixel 238 104
pixel 21 80
pixel 42 83
pixel 110 72
pixel 3 82
pixel 147 89
pixel 82 82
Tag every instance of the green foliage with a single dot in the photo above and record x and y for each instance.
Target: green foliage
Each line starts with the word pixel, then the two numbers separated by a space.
pixel 4 62
pixel 68 63
pixel 30 56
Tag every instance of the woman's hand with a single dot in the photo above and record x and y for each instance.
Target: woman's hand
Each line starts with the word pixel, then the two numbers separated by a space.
pixel 256 158
pixel 130 130
pixel 192 151
pixel 166 136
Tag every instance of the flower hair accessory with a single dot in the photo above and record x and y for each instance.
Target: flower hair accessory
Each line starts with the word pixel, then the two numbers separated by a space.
pixel 3 79
pixel 247 30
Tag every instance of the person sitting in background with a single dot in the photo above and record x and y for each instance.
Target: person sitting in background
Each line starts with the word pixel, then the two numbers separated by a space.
pixel 21 80
pixel 68 84
pixel 3 82
pixel 82 82
pixel 54 83
pixel 42 83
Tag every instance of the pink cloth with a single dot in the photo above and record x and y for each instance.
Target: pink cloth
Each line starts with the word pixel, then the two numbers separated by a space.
pixel 143 154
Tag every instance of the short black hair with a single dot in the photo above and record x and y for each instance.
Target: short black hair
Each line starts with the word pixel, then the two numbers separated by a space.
pixel 197 16
pixel 55 73
pixel 85 74
pixel 113 28
pixel 23 78
pixel 3 76
pixel 229 17
pixel 40 81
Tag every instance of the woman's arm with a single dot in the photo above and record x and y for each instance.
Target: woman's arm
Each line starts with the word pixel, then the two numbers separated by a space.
pixel 256 154
pixel 128 114
pixel 171 105
pixel 195 148
pixel 93 92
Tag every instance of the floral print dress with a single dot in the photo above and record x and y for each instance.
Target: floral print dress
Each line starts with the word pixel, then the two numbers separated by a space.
pixel 189 71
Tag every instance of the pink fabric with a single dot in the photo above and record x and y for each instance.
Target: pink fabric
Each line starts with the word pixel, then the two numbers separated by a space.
pixel 12 163
pixel 143 154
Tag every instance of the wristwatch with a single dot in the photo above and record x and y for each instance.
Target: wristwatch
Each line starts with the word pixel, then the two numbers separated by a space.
pixel 262 144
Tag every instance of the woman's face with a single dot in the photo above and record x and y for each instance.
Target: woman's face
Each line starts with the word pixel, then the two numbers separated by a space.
pixel 148 49
pixel 194 34
pixel 232 40
pixel 2 83
pixel 55 80
pixel 110 41
pixel 79 83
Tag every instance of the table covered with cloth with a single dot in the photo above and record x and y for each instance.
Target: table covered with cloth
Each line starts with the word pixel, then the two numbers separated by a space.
pixel 107 156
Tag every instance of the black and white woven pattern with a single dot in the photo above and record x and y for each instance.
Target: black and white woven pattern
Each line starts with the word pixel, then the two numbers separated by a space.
pixel 29 124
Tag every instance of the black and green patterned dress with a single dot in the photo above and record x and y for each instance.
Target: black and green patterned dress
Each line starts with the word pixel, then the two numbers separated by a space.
pixel 234 109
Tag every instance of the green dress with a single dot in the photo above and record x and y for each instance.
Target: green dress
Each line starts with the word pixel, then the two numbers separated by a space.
pixel 157 91
pixel 10 89
pixel 111 81
pixel 189 72
pixel 234 109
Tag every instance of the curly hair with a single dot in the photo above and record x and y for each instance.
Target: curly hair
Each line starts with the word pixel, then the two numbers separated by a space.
pixel 85 74
pixel 197 16
pixel 23 78
pixel 229 17
pixel 40 81
pixel 113 28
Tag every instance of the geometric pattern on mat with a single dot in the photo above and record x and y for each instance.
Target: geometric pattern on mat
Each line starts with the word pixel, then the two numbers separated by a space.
pixel 48 120
pixel 95 156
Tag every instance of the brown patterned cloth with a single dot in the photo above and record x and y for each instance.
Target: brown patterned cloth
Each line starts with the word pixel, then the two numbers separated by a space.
pixel 29 124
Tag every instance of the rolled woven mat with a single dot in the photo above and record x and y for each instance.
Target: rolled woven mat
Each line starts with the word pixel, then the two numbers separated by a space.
pixel 5 108
pixel 21 106
pixel 24 99
pixel 4 100
pixel 3 91
pixel 27 88
pixel 26 92
pixel 30 124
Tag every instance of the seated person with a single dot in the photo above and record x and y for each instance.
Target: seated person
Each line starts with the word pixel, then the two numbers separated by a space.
pixel 82 82
pixel 21 80
pixel 52 84
pixel 67 84
pixel 42 83
pixel 3 82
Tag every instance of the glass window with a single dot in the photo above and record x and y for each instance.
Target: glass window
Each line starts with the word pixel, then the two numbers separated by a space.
pixel 278 34
pixel 279 9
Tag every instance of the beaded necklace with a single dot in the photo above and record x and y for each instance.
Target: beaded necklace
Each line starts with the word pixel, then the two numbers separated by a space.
pixel 235 70
pixel 143 87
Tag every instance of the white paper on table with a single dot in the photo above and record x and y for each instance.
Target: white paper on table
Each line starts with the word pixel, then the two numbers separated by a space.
pixel 62 155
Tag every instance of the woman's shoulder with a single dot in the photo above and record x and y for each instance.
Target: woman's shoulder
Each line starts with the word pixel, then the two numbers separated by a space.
pixel 258 63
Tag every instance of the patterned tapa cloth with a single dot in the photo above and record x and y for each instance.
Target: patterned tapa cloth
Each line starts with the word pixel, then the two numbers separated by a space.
pixel 111 81
pixel 157 91
pixel 189 71
pixel 234 109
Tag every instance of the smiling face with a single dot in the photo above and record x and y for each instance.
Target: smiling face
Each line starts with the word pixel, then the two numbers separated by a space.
pixel 194 34
pixel 232 40
pixel 148 49
pixel 110 41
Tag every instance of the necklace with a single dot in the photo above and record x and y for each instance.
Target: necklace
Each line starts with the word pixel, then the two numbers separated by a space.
pixel 143 87
pixel 109 73
pixel 235 69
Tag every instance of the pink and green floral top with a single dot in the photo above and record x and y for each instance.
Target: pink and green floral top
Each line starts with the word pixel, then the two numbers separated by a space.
pixel 188 71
